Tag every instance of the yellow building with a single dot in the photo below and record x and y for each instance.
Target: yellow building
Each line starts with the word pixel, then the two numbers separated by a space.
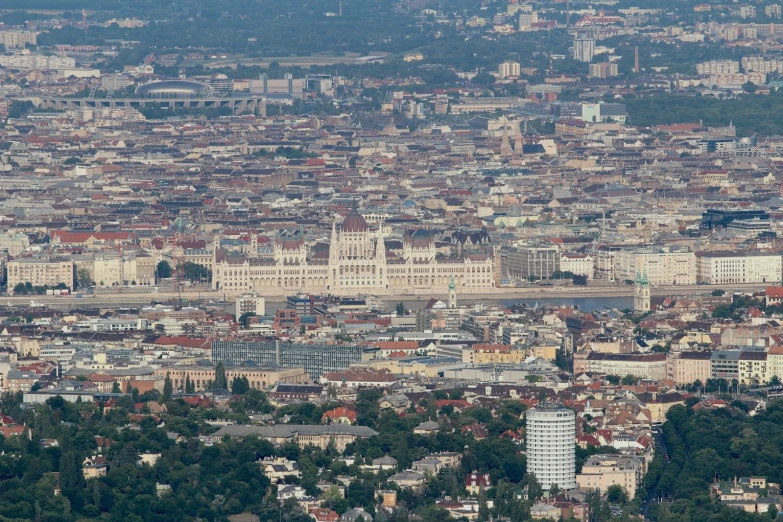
pixel 40 272
pixel 492 354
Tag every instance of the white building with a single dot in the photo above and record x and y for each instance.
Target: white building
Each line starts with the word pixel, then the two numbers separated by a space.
pixel 663 268
pixel 509 69
pixel 577 264
pixel 25 60
pixel 250 304
pixel 356 262
pixel 762 64
pixel 551 434
pixel 718 67
pixel 726 268
pixel 18 39
pixel 583 49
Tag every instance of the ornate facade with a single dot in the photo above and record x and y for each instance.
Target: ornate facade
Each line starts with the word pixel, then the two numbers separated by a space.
pixel 357 262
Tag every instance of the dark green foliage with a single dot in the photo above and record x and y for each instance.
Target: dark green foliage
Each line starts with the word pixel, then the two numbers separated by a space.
pixel 750 114
pixel 164 270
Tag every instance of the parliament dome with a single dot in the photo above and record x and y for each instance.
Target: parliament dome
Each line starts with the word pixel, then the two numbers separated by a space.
pixel 354 222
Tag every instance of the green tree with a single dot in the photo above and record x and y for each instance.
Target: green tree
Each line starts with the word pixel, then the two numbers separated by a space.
pixel 70 471
pixel 220 377
pixel 629 380
pixel 167 389
pixel 400 309
pixel 115 387
pixel 163 269
pixel 83 279
pixel 616 494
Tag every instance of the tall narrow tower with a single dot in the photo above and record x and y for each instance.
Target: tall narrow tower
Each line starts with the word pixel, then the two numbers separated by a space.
pixel 636 59
pixel 641 294
pixel 452 294
pixel 505 146
pixel 84 21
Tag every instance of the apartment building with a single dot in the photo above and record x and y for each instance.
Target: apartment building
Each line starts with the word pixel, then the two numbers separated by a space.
pixel 752 368
pixel 718 67
pixel 603 70
pixel 509 69
pixel 40 272
pixel 726 268
pixel 762 64
pixel 688 367
pixel 663 267
pixel 18 39
pixel 602 471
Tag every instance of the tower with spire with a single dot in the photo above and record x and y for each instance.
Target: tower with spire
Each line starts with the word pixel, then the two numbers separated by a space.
pixel 452 294
pixel 641 293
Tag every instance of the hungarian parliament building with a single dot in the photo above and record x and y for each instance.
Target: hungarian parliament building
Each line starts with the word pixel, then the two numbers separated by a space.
pixel 357 259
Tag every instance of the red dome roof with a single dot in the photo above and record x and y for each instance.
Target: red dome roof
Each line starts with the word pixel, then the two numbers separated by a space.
pixel 355 222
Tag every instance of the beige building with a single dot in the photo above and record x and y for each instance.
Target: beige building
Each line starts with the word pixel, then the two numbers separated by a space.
pixel 18 39
pixel 661 267
pixel 688 367
pixel 602 471
pixel 753 368
pixel 509 69
pixel 259 378
pixel 492 354
pixel 651 366
pixel 135 268
pixel 357 262
pixel 40 272
pixel 775 362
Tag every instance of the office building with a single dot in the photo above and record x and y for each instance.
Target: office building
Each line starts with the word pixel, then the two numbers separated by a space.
pixel 551 434
pixel 726 268
pixel 662 267
pixel 316 359
pixel 720 218
pixel 531 262
pixel 115 82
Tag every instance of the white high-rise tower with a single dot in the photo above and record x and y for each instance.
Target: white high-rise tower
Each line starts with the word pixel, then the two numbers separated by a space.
pixel 551 437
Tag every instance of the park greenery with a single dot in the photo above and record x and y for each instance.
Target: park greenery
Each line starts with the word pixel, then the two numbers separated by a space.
pixel 723 443
pixel 748 113
pixel 193 480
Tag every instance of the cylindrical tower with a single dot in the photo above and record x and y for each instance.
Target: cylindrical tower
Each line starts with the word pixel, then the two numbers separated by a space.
pixel 551 436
